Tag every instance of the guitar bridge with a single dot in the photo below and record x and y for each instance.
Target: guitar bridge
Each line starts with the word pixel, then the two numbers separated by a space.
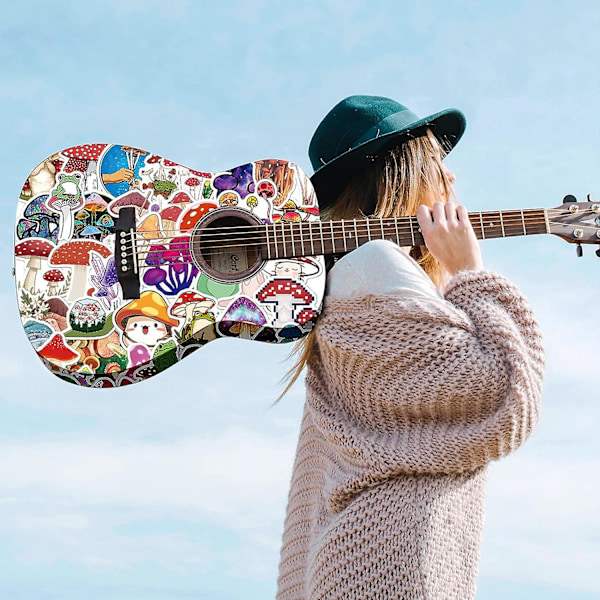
pixel 126 260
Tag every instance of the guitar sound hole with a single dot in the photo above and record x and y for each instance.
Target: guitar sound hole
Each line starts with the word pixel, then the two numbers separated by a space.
pixel 227 245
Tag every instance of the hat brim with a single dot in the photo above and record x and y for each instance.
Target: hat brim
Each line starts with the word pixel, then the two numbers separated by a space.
pixel 329 180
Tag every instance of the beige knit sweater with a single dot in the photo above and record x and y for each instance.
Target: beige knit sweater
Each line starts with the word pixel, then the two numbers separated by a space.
pixel 408 400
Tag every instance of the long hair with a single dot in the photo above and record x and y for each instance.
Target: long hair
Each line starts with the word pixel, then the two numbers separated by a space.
pixel 393 185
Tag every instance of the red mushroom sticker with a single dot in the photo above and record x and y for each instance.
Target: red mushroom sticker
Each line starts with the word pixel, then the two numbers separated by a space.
pixel 192 215
pixel 77 254
pixel 80 156
pixel 57 351
pixel 34 249
pixel 54 277
pixel 193 183
pixel 285 295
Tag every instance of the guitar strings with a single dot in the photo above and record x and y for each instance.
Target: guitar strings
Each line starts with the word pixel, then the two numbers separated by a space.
pixel 342 227
pixel 287 243
pixel 361 230
pixel 374 221
pixel 286 235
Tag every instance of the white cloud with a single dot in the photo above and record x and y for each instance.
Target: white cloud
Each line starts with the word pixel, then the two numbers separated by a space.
pixel 235 479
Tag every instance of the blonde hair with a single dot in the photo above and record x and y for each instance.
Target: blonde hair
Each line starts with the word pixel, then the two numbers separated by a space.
pixel 393 185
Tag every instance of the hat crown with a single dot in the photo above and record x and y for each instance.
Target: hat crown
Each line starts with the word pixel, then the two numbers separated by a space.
pixel 353 121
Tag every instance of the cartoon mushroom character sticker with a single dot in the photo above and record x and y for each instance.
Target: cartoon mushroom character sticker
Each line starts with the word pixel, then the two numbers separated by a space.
pixel 34 249
pixel 286 295
pixel 296 268
pixel 193 308
pixel 145 322
pixel 77 254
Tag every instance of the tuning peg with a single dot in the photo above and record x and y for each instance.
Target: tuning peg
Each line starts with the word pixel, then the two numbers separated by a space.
pixel 590 198
pixel 569 198
pixel 579 251
pixel 598 252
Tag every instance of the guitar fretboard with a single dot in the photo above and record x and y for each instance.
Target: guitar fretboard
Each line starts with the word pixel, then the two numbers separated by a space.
pixel 287 240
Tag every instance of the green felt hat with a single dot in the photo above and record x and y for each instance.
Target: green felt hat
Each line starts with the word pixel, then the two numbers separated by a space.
pixel 360 128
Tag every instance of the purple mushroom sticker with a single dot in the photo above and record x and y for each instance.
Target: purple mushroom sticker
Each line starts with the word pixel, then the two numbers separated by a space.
pixel 285 295
pixel 243 319
pixel 173 269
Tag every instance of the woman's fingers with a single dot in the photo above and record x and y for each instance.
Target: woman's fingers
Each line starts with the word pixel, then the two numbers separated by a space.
pixel 424 218
pixel 449 236
pixel 439 213
pixel 450 209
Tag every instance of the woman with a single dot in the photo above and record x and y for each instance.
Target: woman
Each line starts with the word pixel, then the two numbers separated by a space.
pixel 422 368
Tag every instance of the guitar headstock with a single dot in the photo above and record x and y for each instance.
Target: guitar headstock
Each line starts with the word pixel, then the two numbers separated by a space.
pixel 576 222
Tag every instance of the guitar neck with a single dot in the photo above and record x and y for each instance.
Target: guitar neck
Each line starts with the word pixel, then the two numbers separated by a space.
pixel 287 240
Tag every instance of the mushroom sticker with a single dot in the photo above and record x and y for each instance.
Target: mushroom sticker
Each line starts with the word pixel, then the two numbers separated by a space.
pixel 38 221
pixel 33 249
pixel 77 254
pixel 243 319
pixel 285 295
pixel 193 308
pixel 64 199
pixel 54 278
pixel 58 352
pixel 145 322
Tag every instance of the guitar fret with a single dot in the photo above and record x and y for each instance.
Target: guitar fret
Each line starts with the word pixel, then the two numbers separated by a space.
pixel 332 236
pixel 482 226
pixel 412 232
pixel 368 229
pixel 322 240
pixel 502 223
pixel 344 236
pixel 312 242
pixel 268 243
pixel 397 233
pixel 302 239
pixel 523 221
pixel 355 234
pixel 292 235
pixel 381 225
pixel 283 244
pixel 275 241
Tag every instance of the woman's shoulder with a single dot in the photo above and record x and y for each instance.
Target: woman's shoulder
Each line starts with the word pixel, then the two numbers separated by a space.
pixel 379 267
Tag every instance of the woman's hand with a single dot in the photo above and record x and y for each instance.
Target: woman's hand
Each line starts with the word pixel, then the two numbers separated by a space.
pixel 449 236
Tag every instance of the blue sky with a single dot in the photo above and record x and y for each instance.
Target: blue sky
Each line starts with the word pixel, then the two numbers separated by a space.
pixel 176 488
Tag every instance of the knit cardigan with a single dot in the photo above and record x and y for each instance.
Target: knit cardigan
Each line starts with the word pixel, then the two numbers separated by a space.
pixel 408 400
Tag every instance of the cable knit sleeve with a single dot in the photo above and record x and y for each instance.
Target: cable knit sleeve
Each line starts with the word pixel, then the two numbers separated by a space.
pixel 417 385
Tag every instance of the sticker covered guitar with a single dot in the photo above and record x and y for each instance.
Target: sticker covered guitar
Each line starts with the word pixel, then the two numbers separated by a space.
pixel 126 262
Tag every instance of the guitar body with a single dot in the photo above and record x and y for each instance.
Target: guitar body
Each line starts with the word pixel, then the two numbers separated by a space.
pixel 121 269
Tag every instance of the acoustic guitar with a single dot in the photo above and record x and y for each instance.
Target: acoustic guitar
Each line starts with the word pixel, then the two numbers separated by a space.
pixel 127 262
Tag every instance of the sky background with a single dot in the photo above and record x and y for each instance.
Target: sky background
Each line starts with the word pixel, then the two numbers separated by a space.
pixel 176 487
